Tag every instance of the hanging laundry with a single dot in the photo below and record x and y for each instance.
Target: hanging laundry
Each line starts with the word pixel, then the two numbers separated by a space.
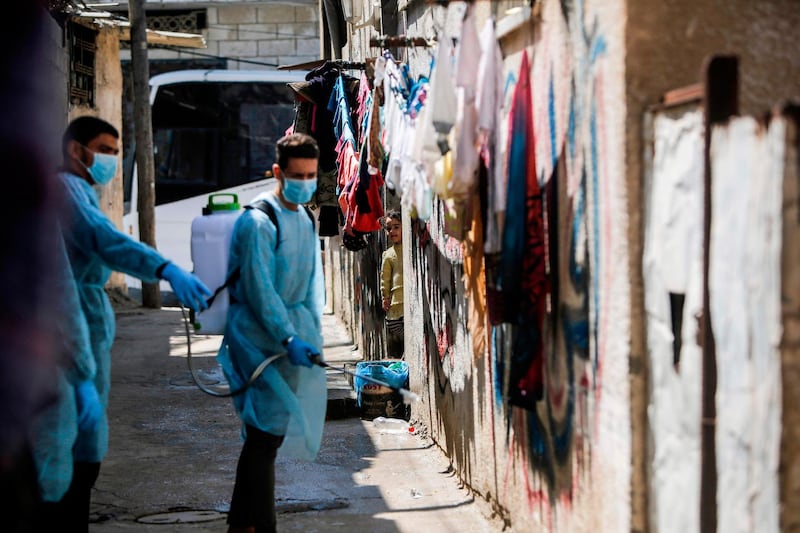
pixel 396 88
pixel 465 156
pixel 488 101
pixel 312 116
pixel 522 274
pixel 339 106
pixel 359 189
pixel 375 151
pixel 443 105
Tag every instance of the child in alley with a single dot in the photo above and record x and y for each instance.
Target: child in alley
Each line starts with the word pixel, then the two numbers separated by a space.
pixel 392 284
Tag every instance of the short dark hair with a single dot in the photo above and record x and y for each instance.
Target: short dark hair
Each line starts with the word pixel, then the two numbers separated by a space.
pixel 84 129
pixel 392 213
pixel 295 145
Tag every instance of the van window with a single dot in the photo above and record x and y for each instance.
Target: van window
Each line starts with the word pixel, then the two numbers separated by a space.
pixel 208 136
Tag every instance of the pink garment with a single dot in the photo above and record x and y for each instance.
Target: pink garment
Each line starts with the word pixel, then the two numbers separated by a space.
pixel 346 162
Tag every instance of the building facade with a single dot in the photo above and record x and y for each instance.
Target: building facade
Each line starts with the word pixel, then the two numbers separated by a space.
pixel 648 409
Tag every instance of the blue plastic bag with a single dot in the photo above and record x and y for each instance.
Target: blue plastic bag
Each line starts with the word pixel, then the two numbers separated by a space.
pixel 393 373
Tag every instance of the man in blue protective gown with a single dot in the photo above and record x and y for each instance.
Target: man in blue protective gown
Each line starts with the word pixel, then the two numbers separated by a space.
pixel 276 307
pixel 90 148
pixel 76 404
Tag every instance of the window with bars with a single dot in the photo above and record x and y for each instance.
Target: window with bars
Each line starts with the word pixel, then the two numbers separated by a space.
pixel 82 50
pixel 179 21
pixel 183 21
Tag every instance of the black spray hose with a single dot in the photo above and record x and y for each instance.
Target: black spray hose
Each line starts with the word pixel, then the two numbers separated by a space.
pixel 408 396
pixel 219 394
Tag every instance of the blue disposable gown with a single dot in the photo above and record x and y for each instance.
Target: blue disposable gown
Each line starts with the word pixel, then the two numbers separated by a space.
pixel 280 293
pixel 56 428
pixel 96 247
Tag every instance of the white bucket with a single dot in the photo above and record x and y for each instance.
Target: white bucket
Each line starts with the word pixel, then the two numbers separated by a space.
pixel 211 242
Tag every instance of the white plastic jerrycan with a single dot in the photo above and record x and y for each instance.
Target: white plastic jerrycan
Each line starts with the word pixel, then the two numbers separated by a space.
pixel 211 242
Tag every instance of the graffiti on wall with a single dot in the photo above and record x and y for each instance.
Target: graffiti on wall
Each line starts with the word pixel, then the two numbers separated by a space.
pixel 437 263
pixel 553 436
pixel 569 138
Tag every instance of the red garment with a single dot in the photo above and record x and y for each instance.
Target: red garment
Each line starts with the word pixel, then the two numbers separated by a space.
pixel 524 279
pixel 360 200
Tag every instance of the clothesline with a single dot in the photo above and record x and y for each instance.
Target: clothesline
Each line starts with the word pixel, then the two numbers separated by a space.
pixel 399 41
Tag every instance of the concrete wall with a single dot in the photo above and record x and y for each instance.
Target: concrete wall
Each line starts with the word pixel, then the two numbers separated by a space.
pixel 56 71
pixel 789 467
pixel 667 44
pixel 108 106
pixel 566 464
pixel 585 458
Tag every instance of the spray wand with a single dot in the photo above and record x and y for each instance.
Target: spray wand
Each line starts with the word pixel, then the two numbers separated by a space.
pixel 408 396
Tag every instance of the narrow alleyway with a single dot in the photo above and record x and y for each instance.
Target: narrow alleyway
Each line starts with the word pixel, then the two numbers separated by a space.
pixel 173 450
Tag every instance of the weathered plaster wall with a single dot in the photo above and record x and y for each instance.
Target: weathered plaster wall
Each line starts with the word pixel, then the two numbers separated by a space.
pixel 672 264
pixel 108 106
pixel 666 46
pixel 566 464
pixel 789 467
pixel 745 300
pixel 596 69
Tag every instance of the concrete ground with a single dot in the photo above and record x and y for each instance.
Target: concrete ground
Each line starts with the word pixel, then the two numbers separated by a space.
pixel 173 450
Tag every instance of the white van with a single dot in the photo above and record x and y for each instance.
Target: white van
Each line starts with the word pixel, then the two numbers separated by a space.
pixel 214 131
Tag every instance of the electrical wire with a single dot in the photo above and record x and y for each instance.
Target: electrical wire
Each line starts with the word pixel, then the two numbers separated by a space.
pixel 191 52
pixel 234 27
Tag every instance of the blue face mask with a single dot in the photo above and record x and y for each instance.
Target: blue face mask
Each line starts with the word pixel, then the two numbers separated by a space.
pixel 299 191
pixel 103 169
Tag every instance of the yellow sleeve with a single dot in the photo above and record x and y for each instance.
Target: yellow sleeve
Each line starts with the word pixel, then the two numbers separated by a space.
pixel 386 276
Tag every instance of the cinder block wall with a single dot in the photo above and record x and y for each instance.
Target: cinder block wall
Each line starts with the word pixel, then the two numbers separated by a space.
pixel 268 33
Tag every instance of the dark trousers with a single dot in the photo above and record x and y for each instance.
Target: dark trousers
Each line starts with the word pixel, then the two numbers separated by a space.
pixel 395 340
pixel 71 513
pixel 253 501
pixel 19 491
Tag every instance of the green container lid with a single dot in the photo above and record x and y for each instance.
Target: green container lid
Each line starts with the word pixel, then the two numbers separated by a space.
pixel 232 203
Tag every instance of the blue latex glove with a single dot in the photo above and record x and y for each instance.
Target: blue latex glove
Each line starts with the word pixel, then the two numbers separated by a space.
pixel 90 410
pixel 188 288
pixel 300 352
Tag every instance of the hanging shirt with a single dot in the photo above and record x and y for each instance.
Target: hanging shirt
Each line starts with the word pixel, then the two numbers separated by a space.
pixel 465 150
pixel 523 276
pixel 488 100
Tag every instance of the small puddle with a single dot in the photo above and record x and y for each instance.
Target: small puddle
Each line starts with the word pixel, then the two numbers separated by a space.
pixel 206 377
pixel 186 516
pixel 302 506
